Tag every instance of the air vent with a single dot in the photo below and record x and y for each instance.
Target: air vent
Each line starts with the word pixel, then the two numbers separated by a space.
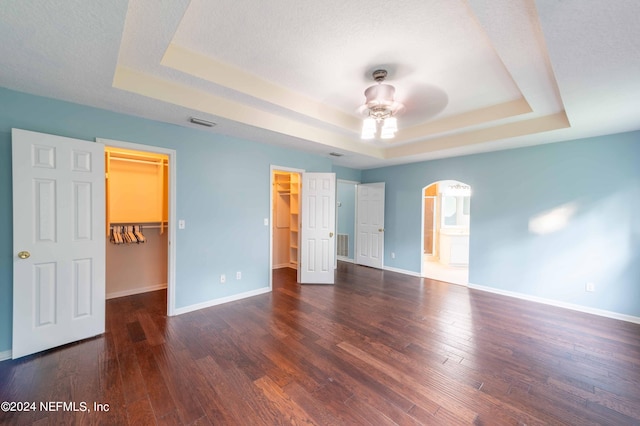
pixel 335 154
pixel 202 122
pixel 343 245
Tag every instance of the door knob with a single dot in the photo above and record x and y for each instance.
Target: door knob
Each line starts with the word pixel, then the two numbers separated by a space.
pixel 24 255
pixel 330 234
pixel 380 229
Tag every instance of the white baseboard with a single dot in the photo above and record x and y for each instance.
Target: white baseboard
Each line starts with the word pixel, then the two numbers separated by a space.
pixel 5 355
pixel 133 291
pixel 346 259
pixel 221 300
pixel 402 271
pixel 565 305
pixel 284 265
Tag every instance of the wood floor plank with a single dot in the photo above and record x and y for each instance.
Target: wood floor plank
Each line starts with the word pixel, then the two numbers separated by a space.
pixel 376 348
pixel 294 413
pixel 140 412
pixel 157 391
pixel 463 413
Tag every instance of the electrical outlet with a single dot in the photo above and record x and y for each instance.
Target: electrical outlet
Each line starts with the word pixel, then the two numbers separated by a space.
pixel 223 278
pixel 590 287
pixel 393 255
pixel 181 224
pixel 238 275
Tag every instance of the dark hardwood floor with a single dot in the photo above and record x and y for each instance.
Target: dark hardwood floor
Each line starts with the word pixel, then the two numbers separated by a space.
pixel 377 348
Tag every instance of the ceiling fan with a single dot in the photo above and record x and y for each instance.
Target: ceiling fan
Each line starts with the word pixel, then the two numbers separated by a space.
pixel 380 108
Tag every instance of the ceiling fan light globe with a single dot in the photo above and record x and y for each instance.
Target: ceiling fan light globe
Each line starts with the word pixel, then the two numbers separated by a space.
pixel 390 124
pixel 369 125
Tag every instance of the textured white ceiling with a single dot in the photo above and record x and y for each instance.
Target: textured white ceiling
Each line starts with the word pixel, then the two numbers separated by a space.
pixel 475 75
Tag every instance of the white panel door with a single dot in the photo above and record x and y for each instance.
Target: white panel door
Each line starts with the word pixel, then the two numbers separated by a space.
pixel 370 224
pixel 58 241
pixel 317 229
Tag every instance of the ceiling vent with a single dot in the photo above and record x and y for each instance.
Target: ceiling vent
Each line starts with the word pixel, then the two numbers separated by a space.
pixel 201 122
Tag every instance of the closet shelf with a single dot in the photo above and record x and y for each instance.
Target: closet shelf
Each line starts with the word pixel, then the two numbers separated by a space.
pixel 136 187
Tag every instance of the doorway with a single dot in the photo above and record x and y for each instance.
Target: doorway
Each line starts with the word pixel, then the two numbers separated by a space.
pixel 346 220
pixel 285 219
pixel 286 186
pixel 152 263
pixel 302 217
pixel 445 231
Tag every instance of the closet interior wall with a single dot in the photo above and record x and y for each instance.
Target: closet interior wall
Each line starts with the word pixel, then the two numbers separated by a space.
pixel 286 220
pixel 137 194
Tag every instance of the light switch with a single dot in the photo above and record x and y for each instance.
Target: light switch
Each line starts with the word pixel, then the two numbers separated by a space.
pixel 181 224
pixel 266 221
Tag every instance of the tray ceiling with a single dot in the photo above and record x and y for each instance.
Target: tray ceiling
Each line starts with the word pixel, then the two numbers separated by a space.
pixel 474 75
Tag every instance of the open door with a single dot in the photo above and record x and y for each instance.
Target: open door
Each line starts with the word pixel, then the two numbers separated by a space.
pixel 58 241
pixel 317 229
pixel 370 224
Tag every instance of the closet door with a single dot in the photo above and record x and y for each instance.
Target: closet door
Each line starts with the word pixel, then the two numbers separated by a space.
pixel 370 224
pixel 318 228
pixel 58 241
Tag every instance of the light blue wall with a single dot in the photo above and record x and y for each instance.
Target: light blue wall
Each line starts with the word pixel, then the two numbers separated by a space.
pixel 222 194
pixel 346 196
pixel 218 178
pixel 347 173
pixel 598 177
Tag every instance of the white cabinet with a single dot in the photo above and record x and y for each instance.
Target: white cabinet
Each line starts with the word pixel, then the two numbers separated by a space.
pixel 454 248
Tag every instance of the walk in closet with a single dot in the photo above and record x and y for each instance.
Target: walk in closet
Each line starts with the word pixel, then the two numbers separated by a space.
pixel 286 219
pixel 136 221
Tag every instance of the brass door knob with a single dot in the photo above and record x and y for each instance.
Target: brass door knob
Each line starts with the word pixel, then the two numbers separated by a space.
pixel 24 255
pixel 330 234
pixel 380 229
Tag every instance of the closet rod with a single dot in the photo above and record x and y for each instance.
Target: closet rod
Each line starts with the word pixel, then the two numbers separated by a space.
pixel 141 224
pixel 153 226
pixel 132 160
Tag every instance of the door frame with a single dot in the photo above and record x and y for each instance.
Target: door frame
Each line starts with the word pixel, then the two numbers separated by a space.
pixel 273 168
pixel 171 228
pixel 435 209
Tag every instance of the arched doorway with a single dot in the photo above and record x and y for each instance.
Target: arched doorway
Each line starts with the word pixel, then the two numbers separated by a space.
pixel 445 231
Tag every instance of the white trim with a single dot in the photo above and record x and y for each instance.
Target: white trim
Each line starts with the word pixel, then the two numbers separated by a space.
pixel 348 181
pixel 345 259
pixel 138 290
pixel 214 302
pixel 5 355
pixel 171 226
pixel 402 271
pixel 271 170
pixel 565 305
pixel 284 265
